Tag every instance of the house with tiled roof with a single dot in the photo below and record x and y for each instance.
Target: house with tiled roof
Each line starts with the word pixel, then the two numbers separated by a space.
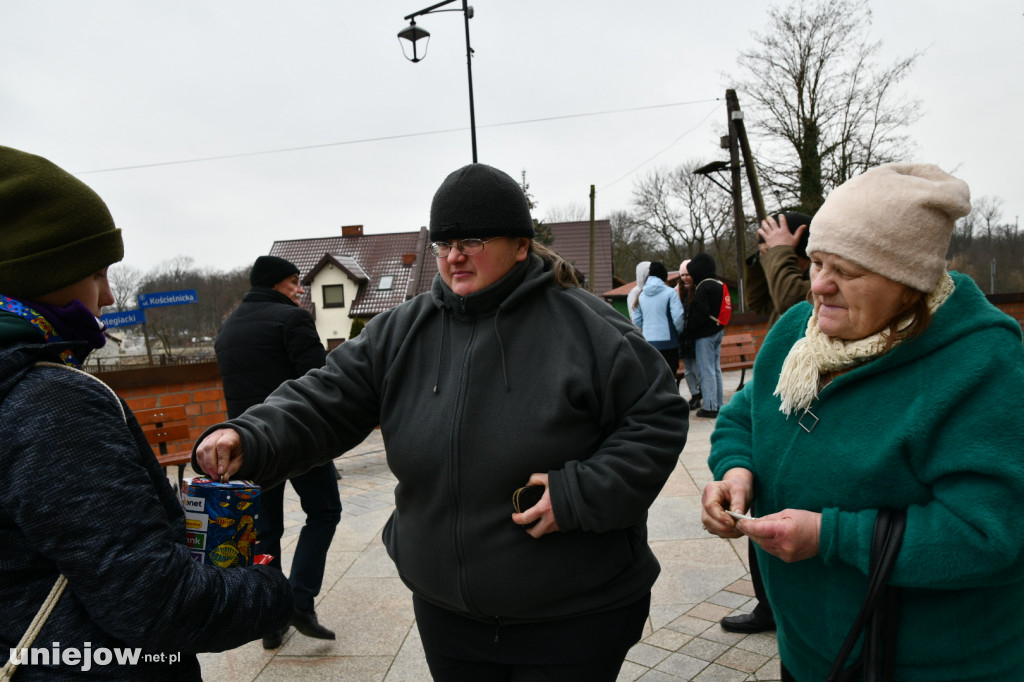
pixel 572 242
pixel 356 276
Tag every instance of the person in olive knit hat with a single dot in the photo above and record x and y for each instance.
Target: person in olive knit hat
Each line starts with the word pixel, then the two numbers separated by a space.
pixel 55 230
pixel 127 585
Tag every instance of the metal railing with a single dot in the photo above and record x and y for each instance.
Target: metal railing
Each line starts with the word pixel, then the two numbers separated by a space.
pixel 97 365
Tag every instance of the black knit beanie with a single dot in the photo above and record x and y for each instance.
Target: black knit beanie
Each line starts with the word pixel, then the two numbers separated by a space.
pixel 658 270
pixel 478 201
pixel 269 270
pixel 701 267
pixel 54 230
pixel 793 222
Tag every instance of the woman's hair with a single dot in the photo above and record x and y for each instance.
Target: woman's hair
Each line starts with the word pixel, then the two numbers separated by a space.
pixel 565 273
pixel 685 293
pixel 920 316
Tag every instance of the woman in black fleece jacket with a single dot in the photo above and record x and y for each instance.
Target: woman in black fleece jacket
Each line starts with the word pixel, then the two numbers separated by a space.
pixel 503 374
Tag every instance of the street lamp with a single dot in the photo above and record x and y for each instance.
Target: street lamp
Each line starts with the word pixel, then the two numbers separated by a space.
pixel 733 166
pixel 714 167
pixel 414 33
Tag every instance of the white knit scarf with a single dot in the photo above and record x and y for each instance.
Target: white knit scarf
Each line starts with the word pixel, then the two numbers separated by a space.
pixel 817 354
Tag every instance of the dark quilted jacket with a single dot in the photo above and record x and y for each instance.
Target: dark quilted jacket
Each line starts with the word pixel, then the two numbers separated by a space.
pixel 81 494
pixel 264 342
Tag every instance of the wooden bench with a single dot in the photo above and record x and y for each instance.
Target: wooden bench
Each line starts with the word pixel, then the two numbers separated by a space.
pixel 738 352
pixel 166 429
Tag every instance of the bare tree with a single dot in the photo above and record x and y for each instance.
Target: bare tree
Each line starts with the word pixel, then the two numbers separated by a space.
pixel 684 214
pixel 988 248
pixel 631 244
pixel 217 294
pixel 567 213
pixel 822 104
pixel 124 285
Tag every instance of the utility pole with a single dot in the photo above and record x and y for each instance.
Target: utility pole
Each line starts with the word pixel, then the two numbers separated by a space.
pixel 736 120
pixel 738 143
pixel 590 273
pixel 739 221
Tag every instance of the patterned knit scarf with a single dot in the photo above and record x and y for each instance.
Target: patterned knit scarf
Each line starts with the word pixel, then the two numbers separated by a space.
pixel 41 324
pixel 817 354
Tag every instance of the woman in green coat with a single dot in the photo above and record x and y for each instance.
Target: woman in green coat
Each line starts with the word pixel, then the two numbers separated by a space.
pixel 897 387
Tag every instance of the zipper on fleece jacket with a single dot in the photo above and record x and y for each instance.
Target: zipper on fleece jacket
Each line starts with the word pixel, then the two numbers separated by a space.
pixel 453 459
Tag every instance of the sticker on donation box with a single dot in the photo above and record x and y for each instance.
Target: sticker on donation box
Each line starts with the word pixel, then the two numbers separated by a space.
pixel 220 520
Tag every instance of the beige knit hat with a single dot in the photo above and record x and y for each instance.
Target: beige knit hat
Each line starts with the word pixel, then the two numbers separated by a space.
pixel 895 220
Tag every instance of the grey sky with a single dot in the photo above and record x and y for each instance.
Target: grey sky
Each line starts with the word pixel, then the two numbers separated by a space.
pixel 109 84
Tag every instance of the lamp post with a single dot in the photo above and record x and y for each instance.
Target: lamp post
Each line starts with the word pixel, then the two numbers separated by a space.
pixel 733 166
pixel 413 33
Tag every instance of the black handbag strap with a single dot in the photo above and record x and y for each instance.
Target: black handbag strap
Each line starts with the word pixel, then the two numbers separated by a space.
pixel 880 638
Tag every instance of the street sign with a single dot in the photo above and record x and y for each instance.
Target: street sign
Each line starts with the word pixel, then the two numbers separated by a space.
pixel 168 298
pixel 125 318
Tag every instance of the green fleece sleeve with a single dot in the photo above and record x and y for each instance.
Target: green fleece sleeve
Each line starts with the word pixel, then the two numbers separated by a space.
pixel 732 439
pixel 965 448
pixel 846 537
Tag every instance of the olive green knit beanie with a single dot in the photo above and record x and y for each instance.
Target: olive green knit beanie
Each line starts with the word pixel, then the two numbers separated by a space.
pixel 54 230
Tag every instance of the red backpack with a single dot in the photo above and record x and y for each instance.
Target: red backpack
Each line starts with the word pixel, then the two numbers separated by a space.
pixel 725 310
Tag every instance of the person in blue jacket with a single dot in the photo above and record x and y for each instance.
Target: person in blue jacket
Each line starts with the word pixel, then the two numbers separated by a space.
pixel 659 315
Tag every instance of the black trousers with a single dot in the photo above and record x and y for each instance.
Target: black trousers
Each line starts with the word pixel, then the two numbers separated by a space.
pixel 671 356
pixel 318 493
pixel 587 648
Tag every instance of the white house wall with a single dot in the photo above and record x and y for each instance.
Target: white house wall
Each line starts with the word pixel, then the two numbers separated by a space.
pixel 332 323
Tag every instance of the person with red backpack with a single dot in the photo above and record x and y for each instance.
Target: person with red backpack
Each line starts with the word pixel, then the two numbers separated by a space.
pixel 706 318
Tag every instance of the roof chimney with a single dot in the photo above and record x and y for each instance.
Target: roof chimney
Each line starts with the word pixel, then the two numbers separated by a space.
pixel 351 230
pixel 408 259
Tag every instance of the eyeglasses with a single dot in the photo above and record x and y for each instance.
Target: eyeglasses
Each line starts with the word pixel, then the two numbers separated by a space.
pixel 467 247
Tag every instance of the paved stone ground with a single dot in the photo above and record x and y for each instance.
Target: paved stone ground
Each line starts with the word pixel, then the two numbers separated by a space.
pixel 703 579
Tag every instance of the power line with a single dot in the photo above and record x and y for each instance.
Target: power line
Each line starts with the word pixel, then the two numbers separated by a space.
pixel 383 138
pixel 674 142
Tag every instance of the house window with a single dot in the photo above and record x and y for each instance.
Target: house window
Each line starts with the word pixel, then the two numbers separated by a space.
pixel 386 282
pixel 334 295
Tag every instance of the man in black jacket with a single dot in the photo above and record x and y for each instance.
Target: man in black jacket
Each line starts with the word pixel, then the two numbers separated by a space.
pixel 266 341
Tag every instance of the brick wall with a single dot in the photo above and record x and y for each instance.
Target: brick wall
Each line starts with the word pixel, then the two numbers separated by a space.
pixel 197 387
pixel 749 323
